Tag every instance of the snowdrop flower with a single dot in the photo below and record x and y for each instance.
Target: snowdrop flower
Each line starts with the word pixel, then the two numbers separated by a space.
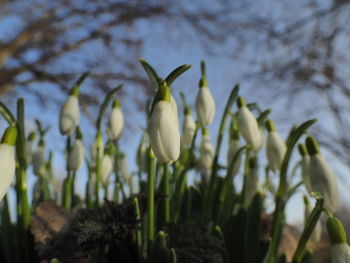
pixel 205 105
pixel 188 129
pixel 275 148
pixel 93 149
pixel 8 159
pixel 322 178
pixel 39 159
pixel 233 149
pixel 76 154
pixel 251 183
pixel 70 114
pixel 142 153
pixel 115 122
pixel 340 249
pixel 305 162
pixel 29 147
pixel 107 164
pixel 206 151
pixel 163 128
pixel 248 125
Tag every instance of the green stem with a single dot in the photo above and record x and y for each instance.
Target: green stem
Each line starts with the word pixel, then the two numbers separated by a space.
pixel 166 192
pixel 73 200
pixel 212 179
pixel 150 198
pixel 138 230
pixel 67 191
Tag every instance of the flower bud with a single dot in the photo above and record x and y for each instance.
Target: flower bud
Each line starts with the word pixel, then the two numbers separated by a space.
pixel 337 236
pixel 233 149
pixel 206 151
pixel 123 167
pixel 70 115
pixel 275 148
pixel 205 106
pixel 322 178
pixel 8 159
pixel 115 122
pixel 163 128
pixel 248 125
pixel 76 155
pixel 107 165
pixel 188 131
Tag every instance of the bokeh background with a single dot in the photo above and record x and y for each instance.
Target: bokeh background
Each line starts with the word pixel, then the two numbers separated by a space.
pixel 290 56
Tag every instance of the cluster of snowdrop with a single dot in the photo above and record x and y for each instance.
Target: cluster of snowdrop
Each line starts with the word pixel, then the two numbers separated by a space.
pixel 162 144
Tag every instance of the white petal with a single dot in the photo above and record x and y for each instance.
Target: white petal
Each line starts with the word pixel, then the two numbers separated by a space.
pixel 7 167
pixel 69 115
pixel 324 181
pixel 115 124
pixel 275 150
pixel 76 156
pixel 248 128
pixel 205 107
pixel 189 129
pixel 305 163
pixel 340 253
pixel 38 161
pixel 107 166
pixel 164 133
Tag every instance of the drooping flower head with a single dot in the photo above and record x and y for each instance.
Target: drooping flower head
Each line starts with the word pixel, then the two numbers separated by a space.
pixel 115 122
pixel 340 249
pixel 322 178
pixel 205 104
pixel 206 150
pixel 248 126
pixel 8 159
pixel 76 153
pixel 275 148
pixel 188 129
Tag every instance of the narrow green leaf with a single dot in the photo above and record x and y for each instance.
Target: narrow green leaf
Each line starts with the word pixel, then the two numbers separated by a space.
pixel 152 74
pixel 6 113
pixel 176 73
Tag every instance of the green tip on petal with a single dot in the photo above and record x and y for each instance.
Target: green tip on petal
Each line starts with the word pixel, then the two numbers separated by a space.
pixel 270 125
pixel 203 83
pixel 306 200
pixel 78 134
pixel 187 110
pixel 240 102
pixel 10 136
pixel 312 145
pixel 163 92
pixel 302 150
pixel 116 104
pixel 336 231
pixel 74 91
pixel 205 131
pixel 31 136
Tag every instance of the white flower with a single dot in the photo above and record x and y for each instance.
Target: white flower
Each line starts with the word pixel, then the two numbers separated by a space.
pixel 248 126
pixel 322 178
pixel 206 151
pixel 188 131
pixel 69 115
pixel 142 153
pixel 275 148
pixel 233 149
pixel 205 106
pixel 174 107
pixel 340 253
pixel 107 166
pixel 76 156
pixel 164 131
pixel 38 160
pixel 115 122
pixel 8 159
